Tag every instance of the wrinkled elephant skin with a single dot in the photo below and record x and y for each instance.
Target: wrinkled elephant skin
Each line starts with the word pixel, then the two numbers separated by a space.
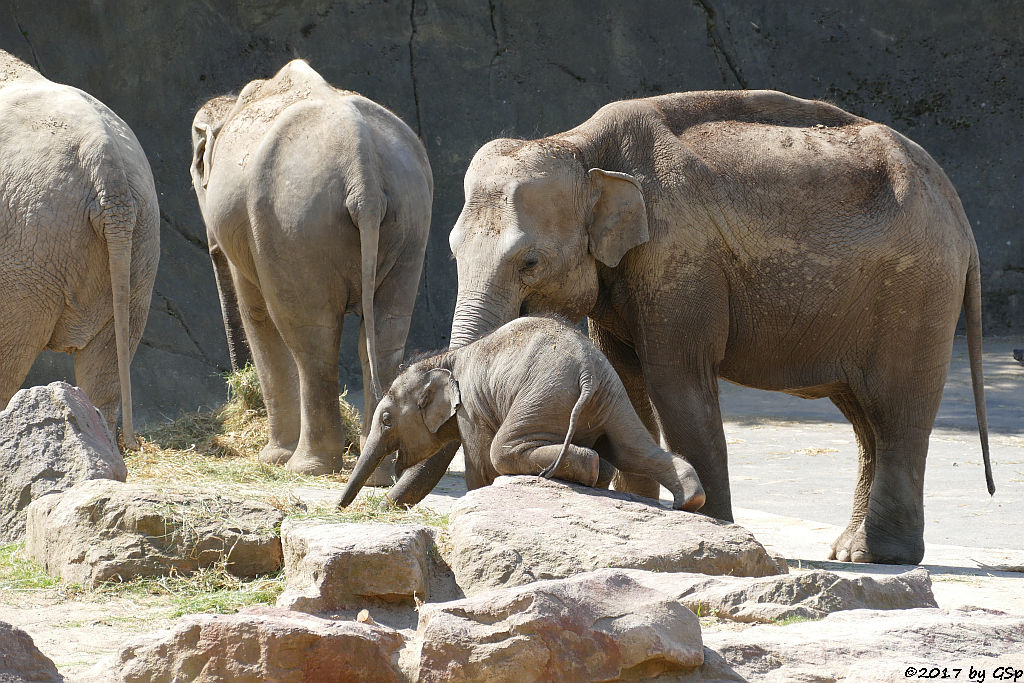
pixel 79 238
pixel 317 204
pixel 771 241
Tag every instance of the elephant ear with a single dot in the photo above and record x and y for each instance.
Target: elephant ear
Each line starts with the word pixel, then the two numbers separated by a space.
pixel 202 153
pixel 439 399
pixel 619 216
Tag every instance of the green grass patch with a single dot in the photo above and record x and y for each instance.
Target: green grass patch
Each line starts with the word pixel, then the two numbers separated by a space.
pixel 795 619
pixel 375 508
pixel 19 573
pixel 208 590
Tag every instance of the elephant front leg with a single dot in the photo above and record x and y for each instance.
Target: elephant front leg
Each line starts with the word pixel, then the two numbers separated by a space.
pixel 276 371
pixel 687 405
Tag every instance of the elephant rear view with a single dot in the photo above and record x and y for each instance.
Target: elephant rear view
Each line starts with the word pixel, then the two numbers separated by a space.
pixel 317 203
pixel 79 238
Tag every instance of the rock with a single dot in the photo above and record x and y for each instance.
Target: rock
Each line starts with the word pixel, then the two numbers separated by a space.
pixel 809 595
pixel 51 438
pixel 20 659
pixel 602 626
pixel 101 530
pixel 338 566
pixel 255 645
pixel 523 529
pixel 868 645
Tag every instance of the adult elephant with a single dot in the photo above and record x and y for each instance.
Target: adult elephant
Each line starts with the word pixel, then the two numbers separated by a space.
pixel 79 238
pixel 317 204
pixel 775 242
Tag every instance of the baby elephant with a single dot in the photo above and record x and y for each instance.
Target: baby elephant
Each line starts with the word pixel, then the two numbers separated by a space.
pixel 533 397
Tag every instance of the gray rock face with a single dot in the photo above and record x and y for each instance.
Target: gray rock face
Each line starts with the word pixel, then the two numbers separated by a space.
pixel 102 529
pixel 523 529
pixel 810 595
pixel 256 645
pixel 51 438
pixel 866 645
pixel 600 626
pixel 338 566
pixel 525 68
pixel 20 659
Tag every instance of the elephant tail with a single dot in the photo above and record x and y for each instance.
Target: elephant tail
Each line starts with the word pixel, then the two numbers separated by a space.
pixel 586 390
pixel 114 217
pixel 972 311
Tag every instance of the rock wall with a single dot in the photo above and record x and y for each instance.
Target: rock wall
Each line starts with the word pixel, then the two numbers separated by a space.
pixel 951 76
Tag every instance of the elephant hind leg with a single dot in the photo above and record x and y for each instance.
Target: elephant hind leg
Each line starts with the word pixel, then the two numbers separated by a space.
pixel 512 456
pixel 899 416
pixel 96 372
pixel 275 369
pixel 865 434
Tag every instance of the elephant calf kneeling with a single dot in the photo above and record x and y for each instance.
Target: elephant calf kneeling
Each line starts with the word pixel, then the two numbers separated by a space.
pixel 534 397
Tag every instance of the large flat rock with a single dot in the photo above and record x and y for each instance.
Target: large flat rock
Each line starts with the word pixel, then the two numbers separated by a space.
pixel 51 438
pixel 524 529
pixel 331 566
pixel 869 645
pixel 101 530
pixel 600 626
pixel 806 595
pixel 256 645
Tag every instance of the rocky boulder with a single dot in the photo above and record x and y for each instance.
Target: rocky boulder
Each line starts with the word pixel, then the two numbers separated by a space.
pixel 807 595
pixel 599 626
pixel 51 438
pixel 256 645
pixel 867 645
pixel 337 566
pixel 524 529
pixel 20 659
pixel 101 530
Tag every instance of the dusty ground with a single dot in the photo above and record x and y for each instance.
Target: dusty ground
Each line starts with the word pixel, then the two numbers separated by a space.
pixel 793 465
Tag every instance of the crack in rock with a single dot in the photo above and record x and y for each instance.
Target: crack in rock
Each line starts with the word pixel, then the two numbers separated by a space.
pixel 188 237
pixel 494 32
pixel 175 312
pixel 412 67
pixel 718 45
pixel 24 34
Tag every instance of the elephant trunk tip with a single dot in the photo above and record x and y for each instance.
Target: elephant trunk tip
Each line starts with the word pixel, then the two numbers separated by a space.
pixel 348 496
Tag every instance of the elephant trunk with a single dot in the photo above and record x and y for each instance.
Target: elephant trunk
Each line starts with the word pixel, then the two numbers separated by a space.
pixel 478 313
pixel 373 452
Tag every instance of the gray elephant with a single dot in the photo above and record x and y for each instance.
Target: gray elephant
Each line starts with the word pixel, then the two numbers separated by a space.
pixel 533 397
pixel 774 242
pixel 317 204
pixel 79 238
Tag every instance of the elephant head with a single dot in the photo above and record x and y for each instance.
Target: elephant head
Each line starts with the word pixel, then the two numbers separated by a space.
pixel 207 122
pixel 536 227
pixel 415 417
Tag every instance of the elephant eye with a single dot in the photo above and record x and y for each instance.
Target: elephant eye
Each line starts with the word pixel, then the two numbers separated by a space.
pixel 385 419
pixel 530 261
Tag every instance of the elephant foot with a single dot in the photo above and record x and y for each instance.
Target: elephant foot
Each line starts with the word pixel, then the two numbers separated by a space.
pixel 385 474
pixel 275 455
pixel 687 492
pixel 303 462
pixel 854 545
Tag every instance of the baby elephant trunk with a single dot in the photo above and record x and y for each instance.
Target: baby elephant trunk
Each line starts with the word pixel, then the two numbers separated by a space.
pixel 373 453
